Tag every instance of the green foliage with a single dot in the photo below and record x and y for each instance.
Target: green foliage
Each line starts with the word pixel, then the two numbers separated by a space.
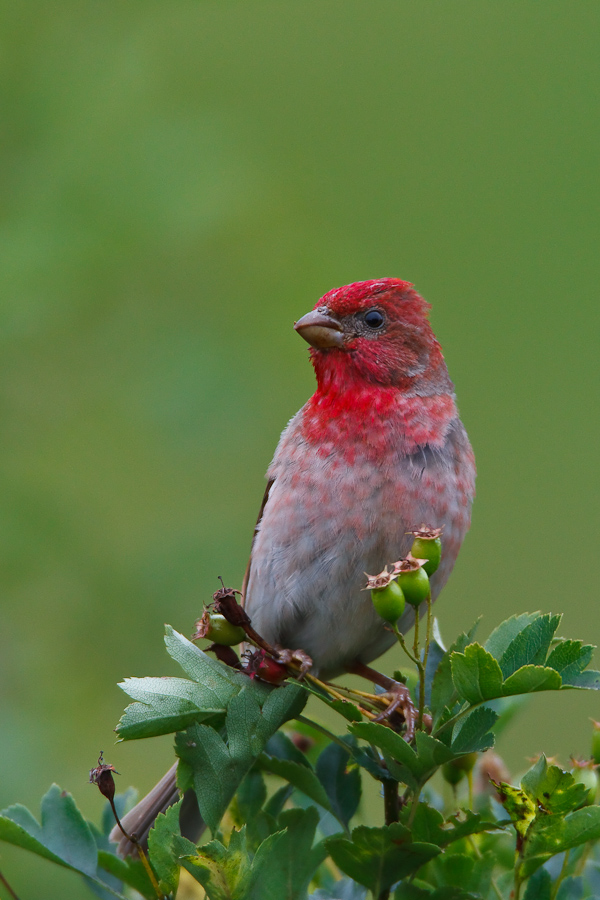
pixel 285 826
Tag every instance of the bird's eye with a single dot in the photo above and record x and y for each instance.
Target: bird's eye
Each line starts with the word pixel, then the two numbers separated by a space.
pixel 374 318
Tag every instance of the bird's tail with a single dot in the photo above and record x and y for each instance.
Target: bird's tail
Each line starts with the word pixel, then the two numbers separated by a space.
pixel 140 820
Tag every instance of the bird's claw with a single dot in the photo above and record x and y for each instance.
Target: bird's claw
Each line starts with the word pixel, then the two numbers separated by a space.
pixel 296 659
pixel 399 700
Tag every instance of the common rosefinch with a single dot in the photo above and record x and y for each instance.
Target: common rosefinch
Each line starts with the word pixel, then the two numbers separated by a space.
pixel 377 450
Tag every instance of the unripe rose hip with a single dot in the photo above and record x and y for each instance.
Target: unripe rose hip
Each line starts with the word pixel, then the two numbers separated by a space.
pixel 427 545
pixel 217 629
pixel 585 772
pixel 413 580
pixel 389 602
pixel 454 771
pixel 387 596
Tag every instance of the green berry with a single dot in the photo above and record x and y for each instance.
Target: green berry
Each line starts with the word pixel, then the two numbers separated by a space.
pixel 415 586
pixel 220 631
pixel 454 771
pixel 389 602
pixel 588 777
pixel 429 549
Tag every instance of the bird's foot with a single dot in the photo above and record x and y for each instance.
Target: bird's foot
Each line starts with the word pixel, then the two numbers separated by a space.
pixel 400 708
pixel 399 702
pixel 296 660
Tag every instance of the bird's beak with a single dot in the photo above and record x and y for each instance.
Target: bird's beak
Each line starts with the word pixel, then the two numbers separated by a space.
pixel 320 330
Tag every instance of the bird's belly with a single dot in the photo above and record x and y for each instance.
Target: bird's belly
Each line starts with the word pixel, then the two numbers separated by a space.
pixel 326 524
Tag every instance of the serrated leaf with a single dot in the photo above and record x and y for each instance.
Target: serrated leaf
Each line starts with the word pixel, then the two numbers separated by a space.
pixel 394 747
pixel 588 680
pixel 214 676
pixel 464 872
pixel 505 633
pixel 443 692
pixel 222 871
pixel 429 826
pixel 379 857
pixel 346 709
pixel 283 870
pixel 476 674
pixel 340 778
pixel 472 734
pixel 570 657
pixel 165 705
pixel 301 777
pixel 160 839
pixel 530 646
pixel 219 765
pixel 550 835
pixel 556 791
pixel 63 837
pixel 529 679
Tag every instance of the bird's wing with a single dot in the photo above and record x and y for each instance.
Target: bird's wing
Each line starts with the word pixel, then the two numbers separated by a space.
pixel 270 483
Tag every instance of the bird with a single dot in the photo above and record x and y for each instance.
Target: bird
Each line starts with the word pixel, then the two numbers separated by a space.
pixel 378 449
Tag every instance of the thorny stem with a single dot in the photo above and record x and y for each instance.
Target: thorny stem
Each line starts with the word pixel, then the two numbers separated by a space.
pixel 414 657
pixel 8 887
pixel 140 850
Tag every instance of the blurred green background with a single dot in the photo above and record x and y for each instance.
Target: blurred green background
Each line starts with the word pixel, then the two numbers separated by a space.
pixel 180 181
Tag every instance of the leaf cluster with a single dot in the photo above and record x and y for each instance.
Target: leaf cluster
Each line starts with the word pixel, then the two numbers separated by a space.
pixel 283 823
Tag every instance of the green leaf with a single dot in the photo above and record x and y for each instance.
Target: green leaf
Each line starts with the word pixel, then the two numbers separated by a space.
pixel 346 709
pixel 405 764
pixel 569 658
pixel 160 839
pixel 529 679
pixel 64 837
pixel 530 646
pixel 222 871
pixel 465 872
pixel 539 886
pixel 282 747
pixel 212 674
pixel 443 692
pixel 165 705
pixel 556 791
pixel 251 795
pixel 301 777
pixel 340 777
pixel 550 835
pixel 218 766
pixel 476 674
pixel 589 680
pixel 437 651
pixel 285 863
pixel 502 636
pixel 429 826
pixel 379 857
pixel 572 889
pixel 472 734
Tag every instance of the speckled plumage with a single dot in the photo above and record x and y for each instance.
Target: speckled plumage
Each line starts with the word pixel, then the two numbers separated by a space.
pixel 378 450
